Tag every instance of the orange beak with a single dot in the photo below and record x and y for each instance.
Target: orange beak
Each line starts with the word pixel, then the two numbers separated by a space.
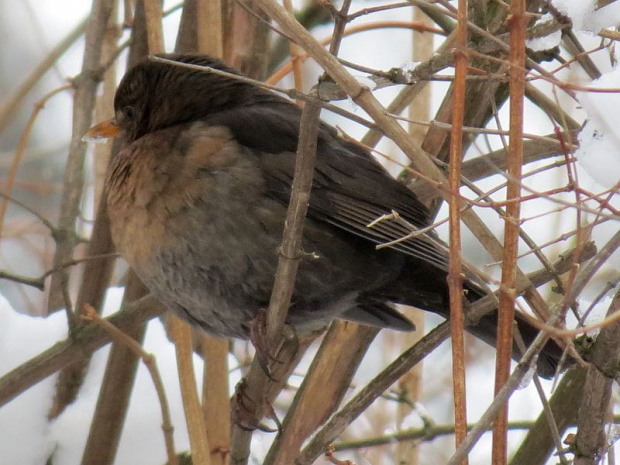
pixel 104 130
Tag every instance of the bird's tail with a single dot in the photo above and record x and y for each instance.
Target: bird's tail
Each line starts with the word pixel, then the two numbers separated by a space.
pixel 424 286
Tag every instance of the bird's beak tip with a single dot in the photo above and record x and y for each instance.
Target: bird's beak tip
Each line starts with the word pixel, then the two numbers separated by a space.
pixel 102 131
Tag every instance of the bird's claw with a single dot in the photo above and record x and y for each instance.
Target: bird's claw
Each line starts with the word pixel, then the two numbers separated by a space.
pixel 245 418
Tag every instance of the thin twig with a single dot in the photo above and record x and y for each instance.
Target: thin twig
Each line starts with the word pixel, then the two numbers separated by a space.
pixel 21 147
pixel 591 441
pixel 455 273
pixel 73 182
pixel 499 402
pixel 181 335
pixel 12 103
pixel 151 363
pixel 287 269
pixel 64 353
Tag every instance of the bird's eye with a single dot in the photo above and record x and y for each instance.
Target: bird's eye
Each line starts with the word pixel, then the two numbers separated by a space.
pixel 129 114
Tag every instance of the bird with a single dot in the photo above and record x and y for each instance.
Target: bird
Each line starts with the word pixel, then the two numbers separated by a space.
pixel 197 196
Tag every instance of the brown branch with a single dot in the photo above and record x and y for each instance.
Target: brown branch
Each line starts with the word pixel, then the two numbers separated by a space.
pixel 297 57
pixel 500 400
pixel 201 30
pixel 507 296
pixel 181 335
pixel 539 444
pixel 356 406
pixel 564 263
pixel 21 147
pixel 586 273
pixel 591 441
pixel 427 433
pixel 85 340
pixel 495 162
pixel 257 381
pixel 547 411
pixel 410 386
pixel 39 283
pixel 34 282
pixel 96 276
pixel 286 67
pixel 325 384
pixel 104 107
pixel 133 346
pixel 215 397
pixel 409 93
pixel 73 183
pixel 455 273
pixel 12 103
pixel 116 388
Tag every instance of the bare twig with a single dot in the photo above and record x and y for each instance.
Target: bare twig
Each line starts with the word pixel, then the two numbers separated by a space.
pixel 149 360
pixel 87 339
pixel 115 393
pixel 23 142
pixel 538 444
pixel 507 295
pixel 323 388
pixel 426 433
pixel 181 334
pixel 338 422
pixel 591 441
pixel 287 269
pixel 73 183
pixel 455 273
pixel 500 400
pixel 10 105
pixel 200 30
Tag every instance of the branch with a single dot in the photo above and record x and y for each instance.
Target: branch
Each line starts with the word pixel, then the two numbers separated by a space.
pixel 12 103
pixel 257 381
pixel 455 272
pixel 501 398
pixel 539 443
pixel 121 338
pixel 356 406
pixel 591 441
pixel 83 342
pixel 73 183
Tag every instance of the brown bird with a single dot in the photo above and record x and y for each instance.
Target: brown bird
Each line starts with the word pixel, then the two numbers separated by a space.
pixel 198 193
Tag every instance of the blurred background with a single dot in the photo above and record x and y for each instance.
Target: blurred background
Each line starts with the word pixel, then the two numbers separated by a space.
pixel 44 48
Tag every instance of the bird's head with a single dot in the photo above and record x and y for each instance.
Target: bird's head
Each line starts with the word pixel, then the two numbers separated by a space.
pixel 170 89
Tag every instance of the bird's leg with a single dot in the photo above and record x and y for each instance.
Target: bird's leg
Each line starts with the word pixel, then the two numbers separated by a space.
pixel 243 416
pixel 244 404
pixel 258 337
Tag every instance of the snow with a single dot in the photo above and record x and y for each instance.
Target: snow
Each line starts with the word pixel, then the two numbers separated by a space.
pixel 547 42
pixel 586 17
pixel 22 337
pixel 603 18
pixel 599 151
pixel 27 437
pixel 366 81
pixel 576 10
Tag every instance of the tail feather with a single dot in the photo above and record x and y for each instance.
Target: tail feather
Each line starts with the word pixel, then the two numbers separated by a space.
pixel 424 286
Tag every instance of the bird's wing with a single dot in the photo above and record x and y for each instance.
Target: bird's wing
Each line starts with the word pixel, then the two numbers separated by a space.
pixel 350 188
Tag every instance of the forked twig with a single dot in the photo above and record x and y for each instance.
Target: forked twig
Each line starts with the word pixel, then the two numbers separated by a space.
pixel 149 360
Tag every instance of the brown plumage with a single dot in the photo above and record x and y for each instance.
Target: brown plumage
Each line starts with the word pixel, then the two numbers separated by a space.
pixel 197 198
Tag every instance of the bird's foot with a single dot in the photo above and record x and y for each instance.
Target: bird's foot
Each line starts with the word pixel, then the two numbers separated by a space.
pixel 258 337
pixel 244 412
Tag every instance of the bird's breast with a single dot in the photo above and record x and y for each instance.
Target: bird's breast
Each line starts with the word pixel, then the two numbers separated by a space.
pixel 191 219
